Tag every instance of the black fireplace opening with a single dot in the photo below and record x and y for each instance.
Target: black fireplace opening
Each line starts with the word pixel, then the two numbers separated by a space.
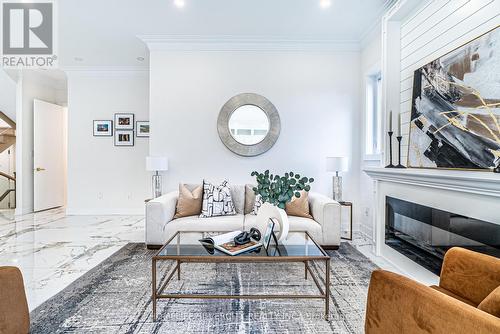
pixel 424 234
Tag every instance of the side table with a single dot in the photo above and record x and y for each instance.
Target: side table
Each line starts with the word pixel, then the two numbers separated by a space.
pixel 346 206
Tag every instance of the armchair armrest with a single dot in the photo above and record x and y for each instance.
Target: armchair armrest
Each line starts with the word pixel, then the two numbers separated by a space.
pixel 326 212
pixel 397 304
pixel 159 211
pixel 469 274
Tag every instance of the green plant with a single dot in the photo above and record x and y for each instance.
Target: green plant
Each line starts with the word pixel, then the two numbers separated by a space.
pixel 279 190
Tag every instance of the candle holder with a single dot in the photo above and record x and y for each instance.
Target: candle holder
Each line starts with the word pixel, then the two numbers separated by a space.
pixel 390 165
pixel 399 165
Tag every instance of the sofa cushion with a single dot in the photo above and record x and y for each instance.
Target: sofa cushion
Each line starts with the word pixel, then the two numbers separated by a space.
pixel 491 304
pixel 189 201
pixel 217 200
pixel 299 206
pixel 214 224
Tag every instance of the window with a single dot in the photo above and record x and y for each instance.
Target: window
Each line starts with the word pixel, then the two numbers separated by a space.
pixel 373 145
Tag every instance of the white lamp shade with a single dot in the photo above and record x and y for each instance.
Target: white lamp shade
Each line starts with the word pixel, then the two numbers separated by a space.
pixel 156 163
pixel 337 164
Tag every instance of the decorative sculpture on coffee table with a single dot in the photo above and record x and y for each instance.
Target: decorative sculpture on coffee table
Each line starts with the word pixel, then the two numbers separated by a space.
pixel 275 192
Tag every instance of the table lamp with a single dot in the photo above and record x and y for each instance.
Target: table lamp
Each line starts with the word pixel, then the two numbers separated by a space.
pixel 156 164
pixel 337 164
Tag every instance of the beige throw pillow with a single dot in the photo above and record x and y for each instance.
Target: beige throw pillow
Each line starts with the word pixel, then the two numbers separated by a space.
pixel 299 206
pixel 189 202
pixel 249 198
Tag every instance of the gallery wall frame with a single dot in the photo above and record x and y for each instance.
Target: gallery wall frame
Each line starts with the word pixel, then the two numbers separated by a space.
pixel 142 129
pixel 124 137
pixel 102 128
pixel 124 121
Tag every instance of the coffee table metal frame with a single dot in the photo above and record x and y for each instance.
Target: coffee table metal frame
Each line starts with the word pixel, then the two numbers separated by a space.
pixel 158 293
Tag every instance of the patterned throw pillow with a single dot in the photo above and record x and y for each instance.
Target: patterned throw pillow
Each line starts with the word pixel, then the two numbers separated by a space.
pixel 217 200
pixel 257 204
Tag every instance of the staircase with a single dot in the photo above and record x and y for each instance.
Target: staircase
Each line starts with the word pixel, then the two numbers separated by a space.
pixel 7 139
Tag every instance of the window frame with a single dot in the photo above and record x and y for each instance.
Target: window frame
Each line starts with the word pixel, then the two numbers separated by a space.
pixel 373 147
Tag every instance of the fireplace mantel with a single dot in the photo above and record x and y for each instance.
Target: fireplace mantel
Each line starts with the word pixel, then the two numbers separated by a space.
pixel 482 183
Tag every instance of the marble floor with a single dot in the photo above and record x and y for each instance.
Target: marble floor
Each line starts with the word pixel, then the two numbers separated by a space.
pixel 53 249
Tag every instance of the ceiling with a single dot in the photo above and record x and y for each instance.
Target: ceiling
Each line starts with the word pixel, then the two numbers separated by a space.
pixel 104 32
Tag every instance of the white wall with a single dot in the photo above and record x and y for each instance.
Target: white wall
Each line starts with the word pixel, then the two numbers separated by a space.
pixel 30 86
pixel 371 56
pixel 102 178
pixel 316 94
pixel 433 30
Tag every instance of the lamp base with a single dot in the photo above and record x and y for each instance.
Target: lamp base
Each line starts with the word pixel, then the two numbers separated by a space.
pixel 156 183
pixel 337 188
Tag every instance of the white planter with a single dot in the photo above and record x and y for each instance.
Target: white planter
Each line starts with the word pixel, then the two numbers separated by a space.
pixel 267 211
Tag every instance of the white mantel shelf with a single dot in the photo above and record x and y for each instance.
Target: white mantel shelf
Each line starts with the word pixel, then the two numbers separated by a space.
pixel 482 183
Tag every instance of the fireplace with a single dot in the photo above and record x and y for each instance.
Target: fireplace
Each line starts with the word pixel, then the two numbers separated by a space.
pixel 424 234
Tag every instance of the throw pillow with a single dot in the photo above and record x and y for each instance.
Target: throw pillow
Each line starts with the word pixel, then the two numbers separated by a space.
pixel 491 304
pixel 249 198
pixel 217 200
pixel 189 202
pixel 299 206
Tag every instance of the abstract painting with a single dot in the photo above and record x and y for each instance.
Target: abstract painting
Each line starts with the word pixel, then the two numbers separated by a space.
pixel 455 117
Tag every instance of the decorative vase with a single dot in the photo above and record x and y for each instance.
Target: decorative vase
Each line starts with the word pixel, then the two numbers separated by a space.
pixel 267 211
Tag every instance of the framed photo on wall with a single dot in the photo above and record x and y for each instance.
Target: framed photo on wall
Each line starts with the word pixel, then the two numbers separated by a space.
pixel 142 129
pixel 103 128
pixel 124 121
pixel 124 138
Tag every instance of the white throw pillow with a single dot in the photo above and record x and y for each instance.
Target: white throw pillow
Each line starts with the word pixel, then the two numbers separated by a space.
pixel 217 200
pixel 257 204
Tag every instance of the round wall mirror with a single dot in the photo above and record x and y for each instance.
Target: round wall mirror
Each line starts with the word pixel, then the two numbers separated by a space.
pixel 248 124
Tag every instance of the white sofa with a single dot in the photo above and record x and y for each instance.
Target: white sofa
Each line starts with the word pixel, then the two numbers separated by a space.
pixel 161 225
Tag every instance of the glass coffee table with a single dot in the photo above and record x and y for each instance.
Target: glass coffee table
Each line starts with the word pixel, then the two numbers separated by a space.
pixel 183 248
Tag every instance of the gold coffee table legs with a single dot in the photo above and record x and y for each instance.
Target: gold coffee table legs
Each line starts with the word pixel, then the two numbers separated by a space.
pixel 158 293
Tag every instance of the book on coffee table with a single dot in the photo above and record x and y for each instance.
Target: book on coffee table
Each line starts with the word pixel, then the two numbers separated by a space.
pixel 225 243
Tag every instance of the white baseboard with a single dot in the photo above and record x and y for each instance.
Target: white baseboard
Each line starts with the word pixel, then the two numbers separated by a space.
pixel 22 211
pixel 105 211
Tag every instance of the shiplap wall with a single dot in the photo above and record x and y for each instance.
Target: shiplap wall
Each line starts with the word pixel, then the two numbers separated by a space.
pixel 433 30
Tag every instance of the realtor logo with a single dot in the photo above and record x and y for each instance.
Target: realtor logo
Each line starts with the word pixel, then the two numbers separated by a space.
pixel 28 34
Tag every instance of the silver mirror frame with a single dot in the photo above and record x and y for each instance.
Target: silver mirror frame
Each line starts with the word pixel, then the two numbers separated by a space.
pixel 274 124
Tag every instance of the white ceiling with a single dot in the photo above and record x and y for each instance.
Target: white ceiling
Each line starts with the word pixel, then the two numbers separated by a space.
pixel 104 32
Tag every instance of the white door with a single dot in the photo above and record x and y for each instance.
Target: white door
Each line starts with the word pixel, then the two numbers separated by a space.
pixel 48 159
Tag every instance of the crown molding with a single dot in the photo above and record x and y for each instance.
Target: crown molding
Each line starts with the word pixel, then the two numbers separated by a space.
pixel 233 43
pixel 107 71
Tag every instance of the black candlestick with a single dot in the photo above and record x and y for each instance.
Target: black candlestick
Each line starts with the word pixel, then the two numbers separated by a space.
pixel 399 138
pixel 390 165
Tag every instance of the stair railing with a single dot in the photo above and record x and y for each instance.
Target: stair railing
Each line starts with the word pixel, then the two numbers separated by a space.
pixel 8 191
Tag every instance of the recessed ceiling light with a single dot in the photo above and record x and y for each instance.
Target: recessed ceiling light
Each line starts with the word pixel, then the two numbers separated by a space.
pixel 78 59
pixel 179 3
pixel 140 58
pixel 325 3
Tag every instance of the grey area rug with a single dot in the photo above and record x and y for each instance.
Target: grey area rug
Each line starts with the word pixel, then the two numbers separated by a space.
pixel 114 297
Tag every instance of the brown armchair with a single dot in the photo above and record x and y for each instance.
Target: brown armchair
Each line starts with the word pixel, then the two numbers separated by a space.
pixel 14 314
pixel 467 299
